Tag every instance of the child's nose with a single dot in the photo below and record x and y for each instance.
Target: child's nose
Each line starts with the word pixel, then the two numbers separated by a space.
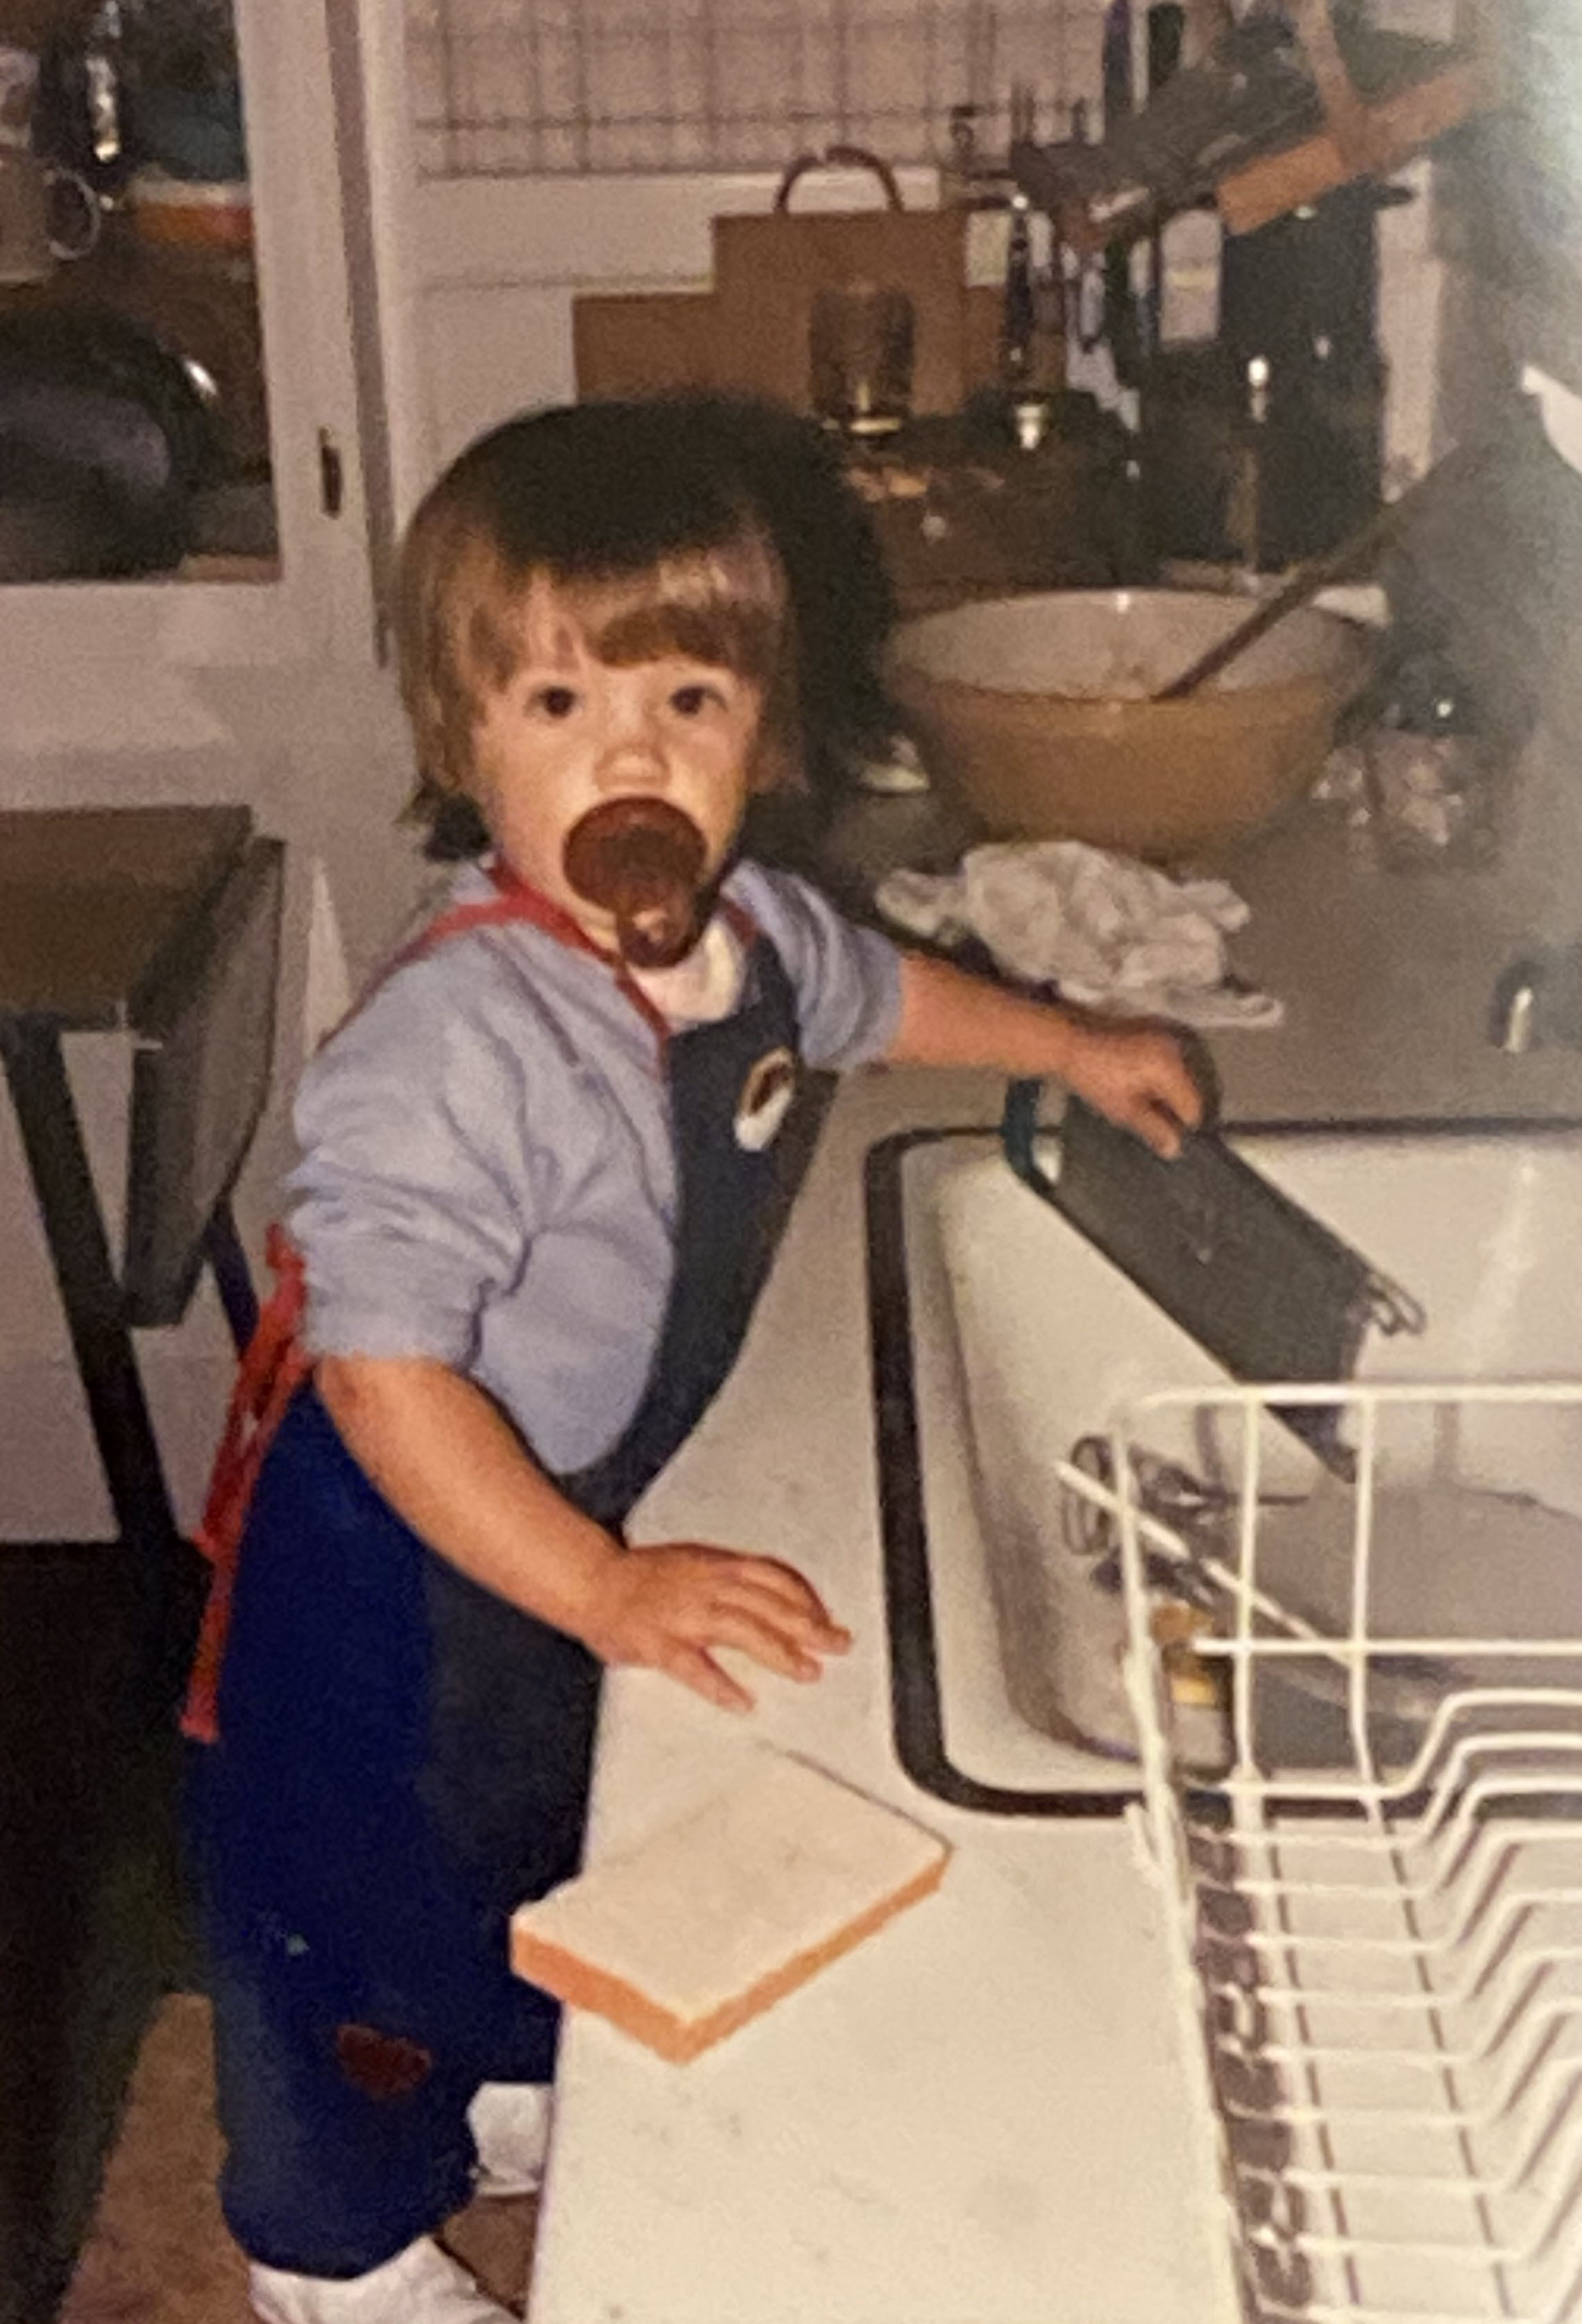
pixel 634 750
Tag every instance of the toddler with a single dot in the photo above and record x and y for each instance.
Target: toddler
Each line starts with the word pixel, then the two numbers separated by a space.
pixel 543 1168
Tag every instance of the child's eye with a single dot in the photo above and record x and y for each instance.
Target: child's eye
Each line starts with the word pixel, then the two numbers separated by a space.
pixel 691 701
pixel 553 701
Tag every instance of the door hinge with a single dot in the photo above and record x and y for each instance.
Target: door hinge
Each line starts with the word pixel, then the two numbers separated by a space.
pixel 331 474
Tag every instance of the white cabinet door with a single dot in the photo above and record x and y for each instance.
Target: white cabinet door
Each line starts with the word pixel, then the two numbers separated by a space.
pixel 321 604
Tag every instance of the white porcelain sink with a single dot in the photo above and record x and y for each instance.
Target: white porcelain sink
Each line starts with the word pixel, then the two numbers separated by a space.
pixel 1004 1338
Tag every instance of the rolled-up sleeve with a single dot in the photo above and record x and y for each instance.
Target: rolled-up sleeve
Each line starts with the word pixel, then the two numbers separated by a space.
pixel 846 979
pixel 412 1203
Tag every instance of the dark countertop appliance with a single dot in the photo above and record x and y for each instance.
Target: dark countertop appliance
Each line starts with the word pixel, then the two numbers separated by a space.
pixel 1264 445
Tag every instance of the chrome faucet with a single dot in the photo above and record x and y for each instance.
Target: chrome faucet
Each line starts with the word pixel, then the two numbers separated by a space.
pixel 1537 1001
pixel 1515 1009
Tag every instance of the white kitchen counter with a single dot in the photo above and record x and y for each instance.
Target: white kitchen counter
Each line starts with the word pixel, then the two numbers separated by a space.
pixel 889 2143
pixel 932 2132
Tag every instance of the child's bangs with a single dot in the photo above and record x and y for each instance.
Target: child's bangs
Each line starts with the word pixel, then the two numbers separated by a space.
pixel 489 622
pixel 723 606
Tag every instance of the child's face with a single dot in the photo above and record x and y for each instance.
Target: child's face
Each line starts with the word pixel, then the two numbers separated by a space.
pixel 569 732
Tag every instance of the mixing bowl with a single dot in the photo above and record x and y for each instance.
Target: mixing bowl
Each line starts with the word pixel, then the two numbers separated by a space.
pixel 1033 708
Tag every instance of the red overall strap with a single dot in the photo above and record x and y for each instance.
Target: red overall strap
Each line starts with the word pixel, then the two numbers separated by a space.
pixel 518 901
pixel 276 1363
pixel 273 1367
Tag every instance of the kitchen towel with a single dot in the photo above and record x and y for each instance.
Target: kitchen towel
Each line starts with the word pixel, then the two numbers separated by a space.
pixel 1109 932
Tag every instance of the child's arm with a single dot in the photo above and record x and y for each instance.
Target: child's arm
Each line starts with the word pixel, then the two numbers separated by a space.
pixel 452 1465
pixel 1135 1074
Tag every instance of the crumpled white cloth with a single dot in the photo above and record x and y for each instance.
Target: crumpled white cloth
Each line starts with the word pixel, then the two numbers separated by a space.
pixel 1111 932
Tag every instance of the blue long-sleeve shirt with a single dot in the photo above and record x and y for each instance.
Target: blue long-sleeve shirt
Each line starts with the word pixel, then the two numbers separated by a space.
pixel 487 1174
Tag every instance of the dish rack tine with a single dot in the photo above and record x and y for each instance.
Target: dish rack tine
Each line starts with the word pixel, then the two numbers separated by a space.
pixel 1522 2253
pixel 1524 2076
pixel 1470 1836
pixel 1400 1791
pixel 1479 1866
pixel 1484 1976
pixel 1482 1866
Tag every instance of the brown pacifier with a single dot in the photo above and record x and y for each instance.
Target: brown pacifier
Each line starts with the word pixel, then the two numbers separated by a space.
pixel 642 862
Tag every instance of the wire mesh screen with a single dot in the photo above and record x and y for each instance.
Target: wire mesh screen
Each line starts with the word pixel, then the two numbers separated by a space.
pixel 512 88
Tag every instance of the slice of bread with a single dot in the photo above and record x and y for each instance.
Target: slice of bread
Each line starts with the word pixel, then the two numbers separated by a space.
pixel 713 1918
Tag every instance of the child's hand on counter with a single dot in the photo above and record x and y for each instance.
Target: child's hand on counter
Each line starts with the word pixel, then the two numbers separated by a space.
pixel 668 1606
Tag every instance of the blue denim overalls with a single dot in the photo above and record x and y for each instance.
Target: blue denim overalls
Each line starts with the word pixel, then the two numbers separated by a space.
pixel 403 1758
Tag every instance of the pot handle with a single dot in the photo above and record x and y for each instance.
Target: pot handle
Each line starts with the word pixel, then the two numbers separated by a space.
pixel 89 210
pixel 840 157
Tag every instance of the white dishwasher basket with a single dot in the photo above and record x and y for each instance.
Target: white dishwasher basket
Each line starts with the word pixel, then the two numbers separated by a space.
pixel 1363 1779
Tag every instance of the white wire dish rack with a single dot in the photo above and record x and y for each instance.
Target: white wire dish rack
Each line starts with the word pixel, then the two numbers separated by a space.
pixel 1363 1781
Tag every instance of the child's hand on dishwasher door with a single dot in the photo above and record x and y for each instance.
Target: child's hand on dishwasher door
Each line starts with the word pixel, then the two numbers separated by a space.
pixel 1142 1078
pixel 1146 1076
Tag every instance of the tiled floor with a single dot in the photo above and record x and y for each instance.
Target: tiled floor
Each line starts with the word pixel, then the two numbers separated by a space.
pixel 159 2253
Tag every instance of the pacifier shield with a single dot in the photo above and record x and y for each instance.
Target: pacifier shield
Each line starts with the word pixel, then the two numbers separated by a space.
pixel 644 862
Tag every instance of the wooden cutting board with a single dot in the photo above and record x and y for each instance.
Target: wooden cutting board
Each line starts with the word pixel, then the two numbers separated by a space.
pixel 751 332
pixel 643 343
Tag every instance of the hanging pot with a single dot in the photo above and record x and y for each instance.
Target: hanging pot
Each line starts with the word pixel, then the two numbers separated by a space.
pixel 105 438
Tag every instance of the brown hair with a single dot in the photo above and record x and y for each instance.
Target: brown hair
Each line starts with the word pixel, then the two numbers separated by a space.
pixel 641 526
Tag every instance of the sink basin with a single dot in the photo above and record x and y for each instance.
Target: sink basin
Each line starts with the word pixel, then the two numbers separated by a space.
pixel 1003 1339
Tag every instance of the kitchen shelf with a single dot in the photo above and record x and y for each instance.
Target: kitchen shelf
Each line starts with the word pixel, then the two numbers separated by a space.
pixel 1273 119
pixel 1362 138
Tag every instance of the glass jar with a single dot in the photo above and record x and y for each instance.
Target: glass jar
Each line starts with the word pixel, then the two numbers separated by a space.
pixel 1429 792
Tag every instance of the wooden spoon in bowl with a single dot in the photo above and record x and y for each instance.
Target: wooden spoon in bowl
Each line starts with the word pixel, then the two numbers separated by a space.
pixel 1318 573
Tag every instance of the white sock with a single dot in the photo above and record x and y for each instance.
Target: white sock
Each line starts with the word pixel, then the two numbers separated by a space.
pixel 510 2124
